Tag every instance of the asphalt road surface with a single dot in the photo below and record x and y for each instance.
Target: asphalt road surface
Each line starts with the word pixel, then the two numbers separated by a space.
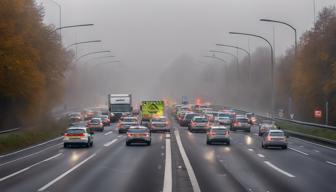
pixel 179 161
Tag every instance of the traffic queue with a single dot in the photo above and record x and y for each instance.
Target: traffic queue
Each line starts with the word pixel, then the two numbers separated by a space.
pixel 138 124
pixel 218 122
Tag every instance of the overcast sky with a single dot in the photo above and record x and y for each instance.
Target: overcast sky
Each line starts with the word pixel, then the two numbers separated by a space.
pixel 153 33
pixel 157 31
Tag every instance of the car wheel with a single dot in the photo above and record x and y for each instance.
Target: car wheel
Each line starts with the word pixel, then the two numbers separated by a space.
pixel 260 134
pixel 65 145
pixel 208 142
pixel 91 143
pixel 228 143
pixel 262 145
pixel 128 143
pixel 119 132
pixel 284 147
pixel 148 143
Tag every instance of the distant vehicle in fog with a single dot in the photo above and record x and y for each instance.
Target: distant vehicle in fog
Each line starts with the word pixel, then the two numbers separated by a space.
pixel 159 124
pixel 138 134
pixel 274 138
pixel 241 123
pixel 96 124
pixel 199 124
pixel 119 104
pixel 218 134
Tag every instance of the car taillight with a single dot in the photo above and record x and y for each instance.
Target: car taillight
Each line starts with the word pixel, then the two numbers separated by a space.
pixel 129 134
pixel 66 134
pixel 193 124
pixel 269 138
pixel 212 133
pixel 236 124
pixel 227 133
pixel 147 135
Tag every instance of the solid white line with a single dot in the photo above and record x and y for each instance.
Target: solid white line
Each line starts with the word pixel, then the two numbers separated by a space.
pixel 303 153
pixel 186 161
pixel 261 155
pixel 29 155
pixel 119 135
pixel 27 168
pixel 66 173
pixel 331 163
pixel 110 143
pixel 250 150
pixel 31 147
pixel 278 169
pixel 108 133
pixel 316 144
pixel 168 181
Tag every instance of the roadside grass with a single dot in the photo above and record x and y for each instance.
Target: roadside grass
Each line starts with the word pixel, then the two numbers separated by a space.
pixel 30 136
pixel 309 130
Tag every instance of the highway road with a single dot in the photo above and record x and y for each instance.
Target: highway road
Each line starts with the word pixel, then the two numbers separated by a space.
pixel 179 161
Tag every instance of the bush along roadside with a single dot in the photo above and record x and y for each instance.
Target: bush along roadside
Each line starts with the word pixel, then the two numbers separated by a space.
pixel 26 137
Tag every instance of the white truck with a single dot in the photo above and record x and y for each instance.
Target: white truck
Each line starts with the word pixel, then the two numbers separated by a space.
pixel 118 105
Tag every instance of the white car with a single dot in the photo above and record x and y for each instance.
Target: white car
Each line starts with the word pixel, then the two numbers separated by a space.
pixel 78 136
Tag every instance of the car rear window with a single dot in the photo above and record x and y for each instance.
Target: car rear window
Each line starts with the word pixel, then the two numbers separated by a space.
pixel 242 120
pixel 201 120
pixel 130 120
pixel 224 115
pixel 159 120
pixel 190 116
pixel 75 131
pixel 95 121
pixel 219 131
pixel 280 134
pixel 137 130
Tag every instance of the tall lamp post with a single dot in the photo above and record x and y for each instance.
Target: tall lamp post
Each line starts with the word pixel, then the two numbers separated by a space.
pixel 272 64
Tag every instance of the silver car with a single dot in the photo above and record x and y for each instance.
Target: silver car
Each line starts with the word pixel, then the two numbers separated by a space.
pixel 241 123
pixel 265 126
pixel 218 134
pixel 159 124
pixel 274 138
pixel 138 134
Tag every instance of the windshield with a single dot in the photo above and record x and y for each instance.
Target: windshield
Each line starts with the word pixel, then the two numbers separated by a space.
pixel 129 120
pixel 189 116
pixel 159 120
pixel 242 120
pixel 200 120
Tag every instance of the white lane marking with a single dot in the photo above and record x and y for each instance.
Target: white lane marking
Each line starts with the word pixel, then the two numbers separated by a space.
pixel 168 181
pixel 317 151
pixel 66 173
pixel 24 157
pixel 31 147
pixel 110 143
pixel 331 163
pixel 251 150
pixel 110 132
pixel 190 171
pixel 167 135
pixel 29 167
pixel 261 155
pixel 278 169
pixel 119 136
pixel 303 153
pixel 315 144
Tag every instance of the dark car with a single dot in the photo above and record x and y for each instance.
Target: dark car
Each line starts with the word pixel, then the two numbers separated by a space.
pixel 185 121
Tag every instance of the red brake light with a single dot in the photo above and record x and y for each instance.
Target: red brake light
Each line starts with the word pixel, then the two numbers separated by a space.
pixel 65 134
pixel 212 133
pixel 269 138
pixel 129 134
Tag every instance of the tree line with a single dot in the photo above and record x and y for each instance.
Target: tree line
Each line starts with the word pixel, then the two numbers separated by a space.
pixel 32 63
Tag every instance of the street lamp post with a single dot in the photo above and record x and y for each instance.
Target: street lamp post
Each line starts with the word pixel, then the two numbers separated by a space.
pixel 92 53
pixel 72 26
pixel 272 64
pixel 83 42
pixel 60 16
pixel 284 23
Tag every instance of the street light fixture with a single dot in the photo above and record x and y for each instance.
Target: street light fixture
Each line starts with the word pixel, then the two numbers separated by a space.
pixel 72 26
pixel 92 53
pixel 83 42
pixel 60 16
pixel 272 64
pixel 284 23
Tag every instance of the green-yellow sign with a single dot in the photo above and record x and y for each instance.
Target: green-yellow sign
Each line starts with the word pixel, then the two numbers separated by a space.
pixel 150 108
